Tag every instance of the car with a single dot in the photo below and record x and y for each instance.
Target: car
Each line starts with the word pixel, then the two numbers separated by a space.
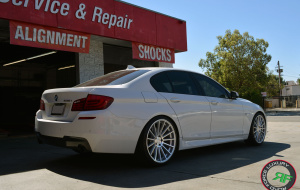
pixel 153 112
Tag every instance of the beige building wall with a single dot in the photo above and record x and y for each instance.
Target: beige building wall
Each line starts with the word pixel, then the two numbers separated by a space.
pixel 292 90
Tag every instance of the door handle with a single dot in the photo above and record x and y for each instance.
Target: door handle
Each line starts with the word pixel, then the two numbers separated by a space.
pixel 174 100
pixel 214 103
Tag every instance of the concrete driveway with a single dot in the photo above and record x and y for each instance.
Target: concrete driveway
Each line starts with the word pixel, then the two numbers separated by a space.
pixel 24 164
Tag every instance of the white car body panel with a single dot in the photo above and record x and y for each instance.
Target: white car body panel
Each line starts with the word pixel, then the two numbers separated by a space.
pixel 250 109
pixel 190 109
pixel 208 142
pixel 227 117
pixel 117 129
pixel 107 133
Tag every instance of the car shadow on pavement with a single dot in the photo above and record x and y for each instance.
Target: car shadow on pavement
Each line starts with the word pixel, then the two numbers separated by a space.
pixel 126 171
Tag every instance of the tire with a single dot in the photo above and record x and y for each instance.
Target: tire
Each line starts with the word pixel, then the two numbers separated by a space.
pixel 258 130
pixel 158 142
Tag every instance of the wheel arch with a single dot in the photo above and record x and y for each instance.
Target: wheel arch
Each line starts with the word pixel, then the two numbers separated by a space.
pixel 152 119
pixel 254 114
pixel 262 113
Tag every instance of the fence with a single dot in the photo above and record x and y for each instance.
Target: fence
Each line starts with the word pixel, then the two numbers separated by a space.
pixel 283 102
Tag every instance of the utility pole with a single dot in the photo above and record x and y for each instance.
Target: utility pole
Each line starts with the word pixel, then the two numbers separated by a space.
pixel 279 78
pixel 279 70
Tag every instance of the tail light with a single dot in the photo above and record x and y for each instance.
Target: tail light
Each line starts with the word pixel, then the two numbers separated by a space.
pixel 92 102
pixel 78 105
pixel 42 105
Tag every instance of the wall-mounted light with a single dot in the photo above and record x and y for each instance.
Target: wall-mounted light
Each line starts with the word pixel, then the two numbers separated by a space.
pixel 67 67
pixel 34 57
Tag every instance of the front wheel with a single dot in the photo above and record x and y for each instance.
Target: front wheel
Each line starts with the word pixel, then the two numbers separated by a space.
pixel 159 141
pixel 258 130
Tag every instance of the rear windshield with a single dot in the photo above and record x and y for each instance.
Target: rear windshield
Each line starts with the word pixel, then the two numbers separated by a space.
pixel 115 78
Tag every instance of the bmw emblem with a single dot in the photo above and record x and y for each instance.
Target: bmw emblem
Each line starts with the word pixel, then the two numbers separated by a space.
pixel 55 97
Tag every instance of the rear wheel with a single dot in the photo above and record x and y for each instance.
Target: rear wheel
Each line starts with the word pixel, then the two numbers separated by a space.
pixel 158 141
pixel 258 130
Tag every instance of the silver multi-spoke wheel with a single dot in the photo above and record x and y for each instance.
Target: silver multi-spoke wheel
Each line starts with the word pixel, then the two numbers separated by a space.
pixel 161 141
pixel 259 129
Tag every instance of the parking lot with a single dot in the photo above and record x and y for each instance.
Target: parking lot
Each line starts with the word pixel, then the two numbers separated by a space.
pixel 24 164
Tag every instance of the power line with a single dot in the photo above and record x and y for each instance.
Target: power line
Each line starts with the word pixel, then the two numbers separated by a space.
pixel 290 76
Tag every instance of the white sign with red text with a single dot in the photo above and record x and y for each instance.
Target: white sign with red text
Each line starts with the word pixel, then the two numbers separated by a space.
pixel 152 53
pixel 48 37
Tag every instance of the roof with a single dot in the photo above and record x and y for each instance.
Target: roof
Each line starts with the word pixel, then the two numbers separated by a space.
pixel 149 10
pixel 164 69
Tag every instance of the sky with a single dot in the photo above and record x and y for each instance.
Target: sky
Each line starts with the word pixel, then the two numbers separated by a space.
pixel 275 21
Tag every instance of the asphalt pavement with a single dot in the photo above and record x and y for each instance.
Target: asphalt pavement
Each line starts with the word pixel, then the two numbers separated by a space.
pixel 24 164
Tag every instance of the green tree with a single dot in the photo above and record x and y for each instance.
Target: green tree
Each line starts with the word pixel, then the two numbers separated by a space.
pixel 272 87
pixel 239 62
pixel 298 81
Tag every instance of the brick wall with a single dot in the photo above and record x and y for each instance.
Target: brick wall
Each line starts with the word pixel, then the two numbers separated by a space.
pixel 92 65
pixel 163 64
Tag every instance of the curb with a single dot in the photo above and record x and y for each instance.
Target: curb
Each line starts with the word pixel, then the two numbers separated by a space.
pixel 289 110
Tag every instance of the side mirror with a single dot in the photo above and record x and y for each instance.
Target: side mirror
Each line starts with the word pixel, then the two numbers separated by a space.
pixel 234 95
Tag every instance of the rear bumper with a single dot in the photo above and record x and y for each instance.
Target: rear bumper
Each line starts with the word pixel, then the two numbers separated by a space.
pixel 67 142
pixel 106 133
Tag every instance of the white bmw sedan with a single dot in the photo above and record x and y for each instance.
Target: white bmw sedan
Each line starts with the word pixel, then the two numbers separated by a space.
pixel 151 111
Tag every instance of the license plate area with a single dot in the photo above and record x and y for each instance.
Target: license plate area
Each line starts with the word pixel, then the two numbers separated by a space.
pixel 58 109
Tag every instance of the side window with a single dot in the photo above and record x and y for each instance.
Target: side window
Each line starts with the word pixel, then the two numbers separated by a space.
pixel 182 83
pixel 210 87
pixel 161 83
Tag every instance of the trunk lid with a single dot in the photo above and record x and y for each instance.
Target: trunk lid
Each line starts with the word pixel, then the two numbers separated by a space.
pixel 58 103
